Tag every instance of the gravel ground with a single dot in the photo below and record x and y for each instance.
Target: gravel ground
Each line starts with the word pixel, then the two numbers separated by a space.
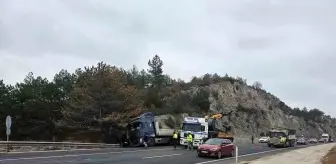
pixel 310 155
pixel 330 158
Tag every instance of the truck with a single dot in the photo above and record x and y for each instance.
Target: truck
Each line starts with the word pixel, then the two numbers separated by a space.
pixel 198 128
pixel 217 131
pixel 326 137
pixel 147 124
pixel 282 137
pixel 204 128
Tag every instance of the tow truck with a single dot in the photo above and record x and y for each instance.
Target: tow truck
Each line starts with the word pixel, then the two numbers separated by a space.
pixel 215 131
pixel 205 128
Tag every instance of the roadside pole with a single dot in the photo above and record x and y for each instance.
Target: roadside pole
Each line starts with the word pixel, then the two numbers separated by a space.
pixel 8 129
pixel 236 154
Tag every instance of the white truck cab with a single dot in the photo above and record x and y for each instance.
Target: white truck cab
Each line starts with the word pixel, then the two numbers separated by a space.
pixel 325 137
pixel 197 126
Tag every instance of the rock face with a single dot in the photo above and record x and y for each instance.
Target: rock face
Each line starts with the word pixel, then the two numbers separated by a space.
pixel 256 111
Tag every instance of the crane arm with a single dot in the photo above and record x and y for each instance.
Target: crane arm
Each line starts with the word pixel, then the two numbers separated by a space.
pixel 218 115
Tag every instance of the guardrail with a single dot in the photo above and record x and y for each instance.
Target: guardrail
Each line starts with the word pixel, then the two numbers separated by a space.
pixel 20 145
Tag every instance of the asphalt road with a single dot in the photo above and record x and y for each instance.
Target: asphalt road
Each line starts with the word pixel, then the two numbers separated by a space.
pixel 154 155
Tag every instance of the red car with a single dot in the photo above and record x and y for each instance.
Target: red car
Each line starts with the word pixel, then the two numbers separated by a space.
pixel 216 147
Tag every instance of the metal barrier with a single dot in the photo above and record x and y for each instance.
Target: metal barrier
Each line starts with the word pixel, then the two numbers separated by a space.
pixel 53 145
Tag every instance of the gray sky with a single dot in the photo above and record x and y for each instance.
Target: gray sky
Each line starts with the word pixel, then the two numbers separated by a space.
pixel 287 45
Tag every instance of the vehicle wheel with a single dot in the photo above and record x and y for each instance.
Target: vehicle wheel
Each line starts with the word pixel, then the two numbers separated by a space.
pixel 232 153
pixel 219 155
pixel 151 142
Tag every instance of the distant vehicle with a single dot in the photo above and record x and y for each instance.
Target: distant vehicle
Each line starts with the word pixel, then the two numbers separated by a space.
pixel 216 147
pixel 264 139
pixel 331 140
pixel 326 137
pixel 282 137
pixel 146 124
pixel 313 140
pixel 322 140
pixel 301 141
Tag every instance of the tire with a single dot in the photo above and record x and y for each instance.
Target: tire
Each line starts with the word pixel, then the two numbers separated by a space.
pixel 293 145
pixel 219 155
pixel 269 145
pixel 151 142
pixel 232 153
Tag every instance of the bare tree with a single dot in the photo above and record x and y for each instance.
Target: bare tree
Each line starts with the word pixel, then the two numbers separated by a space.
pixel 257 85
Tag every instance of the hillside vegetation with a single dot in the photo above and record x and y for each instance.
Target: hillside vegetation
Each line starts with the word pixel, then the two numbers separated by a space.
pixel 93 103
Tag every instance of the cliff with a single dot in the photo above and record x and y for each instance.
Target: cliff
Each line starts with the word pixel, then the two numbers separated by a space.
pixel 256 111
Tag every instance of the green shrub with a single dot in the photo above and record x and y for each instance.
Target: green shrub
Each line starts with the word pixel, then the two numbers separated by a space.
pixel 201 100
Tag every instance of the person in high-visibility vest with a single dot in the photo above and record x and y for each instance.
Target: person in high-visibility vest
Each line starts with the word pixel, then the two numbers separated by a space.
pixel 175 136
pixel 190 141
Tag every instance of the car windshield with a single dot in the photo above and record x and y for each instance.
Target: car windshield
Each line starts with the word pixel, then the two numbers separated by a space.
pixel 213 141
pixel 192 127
pixel 325 136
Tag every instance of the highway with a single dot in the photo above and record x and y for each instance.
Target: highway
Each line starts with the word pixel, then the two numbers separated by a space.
pixel 153 155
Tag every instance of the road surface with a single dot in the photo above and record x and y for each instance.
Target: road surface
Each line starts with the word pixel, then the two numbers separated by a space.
pixel 154 155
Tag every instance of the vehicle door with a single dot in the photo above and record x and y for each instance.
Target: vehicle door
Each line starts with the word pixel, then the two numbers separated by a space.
pixel 229 147
pixel 225 147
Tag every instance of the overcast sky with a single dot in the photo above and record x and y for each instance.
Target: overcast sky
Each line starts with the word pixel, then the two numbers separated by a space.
pixel 287 45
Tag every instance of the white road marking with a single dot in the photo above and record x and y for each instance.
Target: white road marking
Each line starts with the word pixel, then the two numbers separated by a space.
pixel 170 155
pixel 52 151
pixel 77 155
pixel 245 155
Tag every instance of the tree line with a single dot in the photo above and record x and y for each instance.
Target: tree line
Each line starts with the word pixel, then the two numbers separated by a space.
pixel 90 104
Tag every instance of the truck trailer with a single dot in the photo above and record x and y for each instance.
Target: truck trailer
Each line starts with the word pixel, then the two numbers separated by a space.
pixel 148 125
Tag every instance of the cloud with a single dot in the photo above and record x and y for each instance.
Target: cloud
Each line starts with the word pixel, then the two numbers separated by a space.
pixel 288 45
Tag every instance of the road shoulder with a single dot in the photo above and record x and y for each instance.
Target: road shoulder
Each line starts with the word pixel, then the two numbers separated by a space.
pixel 308 155
pixel 330 157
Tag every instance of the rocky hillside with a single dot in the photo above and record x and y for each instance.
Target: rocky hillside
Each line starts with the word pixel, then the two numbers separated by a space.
pixel 256 111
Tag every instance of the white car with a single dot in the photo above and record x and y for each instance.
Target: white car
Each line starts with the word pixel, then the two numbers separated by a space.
pixel 264 139
pixel 313 140
pixel 322 140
